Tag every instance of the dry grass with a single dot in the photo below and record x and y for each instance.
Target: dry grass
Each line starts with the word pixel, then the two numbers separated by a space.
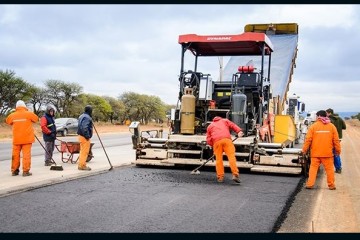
pixel 353 122
pixel 6 130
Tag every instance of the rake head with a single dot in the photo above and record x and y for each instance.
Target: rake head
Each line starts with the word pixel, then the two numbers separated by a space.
pixel 195 172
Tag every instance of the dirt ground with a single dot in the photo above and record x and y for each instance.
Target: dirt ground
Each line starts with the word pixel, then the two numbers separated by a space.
pixel 6 131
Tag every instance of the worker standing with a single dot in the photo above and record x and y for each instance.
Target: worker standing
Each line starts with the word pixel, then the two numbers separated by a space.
pixel 85 132
pixel 23 137
pixel 340 125
pixel 48 129
pixel 218 136
pixel 321 139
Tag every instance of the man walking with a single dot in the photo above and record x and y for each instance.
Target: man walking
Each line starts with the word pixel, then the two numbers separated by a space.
pixel 322 138
pixel 340 125
pixel 85 131
pixel 48 129
pixel 23 137
pixel 218 136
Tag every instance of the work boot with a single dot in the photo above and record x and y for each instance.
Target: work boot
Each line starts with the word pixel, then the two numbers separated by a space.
pixel 332 188
pixel 236 179
pixel 220 180
pixel 15 173
pixel 26 174
pixel 48 163
pixel 338 170
pixel 86 168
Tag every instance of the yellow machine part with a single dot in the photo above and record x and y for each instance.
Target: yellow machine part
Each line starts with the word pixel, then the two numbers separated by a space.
pixel 285 129
pixel 278 28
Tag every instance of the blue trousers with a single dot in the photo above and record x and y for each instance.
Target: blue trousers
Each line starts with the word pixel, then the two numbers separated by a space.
pixel 337 162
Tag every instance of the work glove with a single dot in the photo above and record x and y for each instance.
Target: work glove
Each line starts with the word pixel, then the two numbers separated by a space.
pixel 240 134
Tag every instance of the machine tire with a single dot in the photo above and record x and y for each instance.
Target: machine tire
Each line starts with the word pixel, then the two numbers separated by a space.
pixel 306 166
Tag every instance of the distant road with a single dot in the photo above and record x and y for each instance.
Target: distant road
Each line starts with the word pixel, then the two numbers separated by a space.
pixel 108 140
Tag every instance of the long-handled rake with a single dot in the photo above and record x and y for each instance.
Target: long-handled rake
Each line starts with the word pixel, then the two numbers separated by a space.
pixel 53 167
pixel 111 166
pixel 196 170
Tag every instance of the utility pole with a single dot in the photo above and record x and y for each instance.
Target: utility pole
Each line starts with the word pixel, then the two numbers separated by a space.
pixel 221 64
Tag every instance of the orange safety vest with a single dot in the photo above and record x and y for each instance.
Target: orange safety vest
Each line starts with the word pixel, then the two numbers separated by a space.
pixel 22 128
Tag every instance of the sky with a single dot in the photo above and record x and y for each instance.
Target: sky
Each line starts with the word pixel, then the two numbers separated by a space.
pixel 117 48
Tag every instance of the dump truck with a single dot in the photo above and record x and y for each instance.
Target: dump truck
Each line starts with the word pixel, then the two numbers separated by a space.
pixel 251 91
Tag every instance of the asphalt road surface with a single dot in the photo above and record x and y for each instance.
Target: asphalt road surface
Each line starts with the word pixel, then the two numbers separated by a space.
pixel 138 200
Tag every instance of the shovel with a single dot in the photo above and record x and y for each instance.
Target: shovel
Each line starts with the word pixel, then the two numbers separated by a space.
pixel 56 167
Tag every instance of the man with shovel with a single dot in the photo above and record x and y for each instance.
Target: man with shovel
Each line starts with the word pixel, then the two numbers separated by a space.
pixel 218 136
pixel 85 132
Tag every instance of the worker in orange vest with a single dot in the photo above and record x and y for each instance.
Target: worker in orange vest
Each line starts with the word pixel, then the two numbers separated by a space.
pixel 218 136
pixel 23 137
pixel 322 137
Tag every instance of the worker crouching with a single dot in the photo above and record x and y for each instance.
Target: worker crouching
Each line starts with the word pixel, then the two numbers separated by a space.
pixel 218 136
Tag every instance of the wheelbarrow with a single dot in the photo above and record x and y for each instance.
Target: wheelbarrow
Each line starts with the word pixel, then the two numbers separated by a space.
pixel 69 149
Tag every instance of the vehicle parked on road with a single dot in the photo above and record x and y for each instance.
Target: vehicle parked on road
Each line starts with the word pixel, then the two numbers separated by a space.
pixel 65 126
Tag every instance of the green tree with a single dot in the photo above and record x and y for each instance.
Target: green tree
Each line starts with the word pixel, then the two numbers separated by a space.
pixel 143 108
pixel 132 103
pixel 357 116
pixel 117 109
pixel 12 89
pixel 63 95
pixel 153 109
pixel 101 108
pixel 39 99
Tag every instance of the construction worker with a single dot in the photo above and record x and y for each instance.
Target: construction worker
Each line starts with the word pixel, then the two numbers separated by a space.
pixel 85 132
pixel 23 137
pixel 48 129
pixel 340 125
pixel 321 138
pixel 218 136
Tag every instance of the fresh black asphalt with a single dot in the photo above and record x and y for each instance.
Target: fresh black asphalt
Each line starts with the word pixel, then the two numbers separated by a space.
pixel 138 200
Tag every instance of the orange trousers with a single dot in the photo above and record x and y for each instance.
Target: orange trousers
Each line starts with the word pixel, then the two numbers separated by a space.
pixel 328 163
pixel 84 151
pixel 26 160
pixel 227 146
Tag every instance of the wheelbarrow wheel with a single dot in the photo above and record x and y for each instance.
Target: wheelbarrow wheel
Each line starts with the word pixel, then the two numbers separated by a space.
pixel 89 157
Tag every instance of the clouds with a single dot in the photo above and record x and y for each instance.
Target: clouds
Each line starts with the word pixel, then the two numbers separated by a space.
pixel 110 49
